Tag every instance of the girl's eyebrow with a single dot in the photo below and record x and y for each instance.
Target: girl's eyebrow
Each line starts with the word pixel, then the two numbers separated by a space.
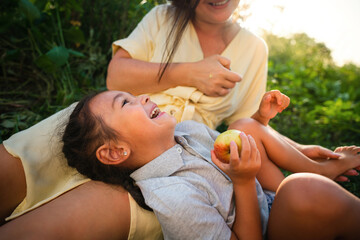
pixel 116 97
pixel 121 94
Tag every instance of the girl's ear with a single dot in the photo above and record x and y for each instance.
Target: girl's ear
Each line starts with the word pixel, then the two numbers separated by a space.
pixel 111 154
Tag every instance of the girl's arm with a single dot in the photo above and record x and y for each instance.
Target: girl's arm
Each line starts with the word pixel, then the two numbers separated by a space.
pixel 242 171
pixel 210 75
pixel 274 102
pixel 247 223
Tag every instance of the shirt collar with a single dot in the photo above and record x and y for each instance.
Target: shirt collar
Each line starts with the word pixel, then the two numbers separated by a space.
pixel 162 166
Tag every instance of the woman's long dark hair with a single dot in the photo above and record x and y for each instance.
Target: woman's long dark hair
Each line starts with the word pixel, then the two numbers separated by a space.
pixel 181 12
pixel 83 134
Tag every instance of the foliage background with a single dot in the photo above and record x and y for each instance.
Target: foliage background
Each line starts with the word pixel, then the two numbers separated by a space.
pixel 52 52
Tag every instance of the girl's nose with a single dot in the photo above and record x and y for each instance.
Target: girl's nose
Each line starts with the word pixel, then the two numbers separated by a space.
pixel 144 99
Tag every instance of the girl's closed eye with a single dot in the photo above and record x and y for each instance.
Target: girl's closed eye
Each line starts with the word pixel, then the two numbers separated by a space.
pixel 125 102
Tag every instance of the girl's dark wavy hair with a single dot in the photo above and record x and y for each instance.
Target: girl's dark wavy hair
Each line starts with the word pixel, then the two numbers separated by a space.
pixel 83 134
pixel 181 12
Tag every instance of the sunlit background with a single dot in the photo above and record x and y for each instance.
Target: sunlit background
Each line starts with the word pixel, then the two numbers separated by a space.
pixel 333 22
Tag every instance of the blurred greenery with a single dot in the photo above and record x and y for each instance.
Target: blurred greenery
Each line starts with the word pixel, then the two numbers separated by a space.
pixel 52 52
pixel 325 98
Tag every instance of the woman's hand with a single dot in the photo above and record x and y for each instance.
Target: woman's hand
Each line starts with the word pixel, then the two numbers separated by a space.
pixel 243 169
pixel 316 152
pixel 213 76
pixel 319 153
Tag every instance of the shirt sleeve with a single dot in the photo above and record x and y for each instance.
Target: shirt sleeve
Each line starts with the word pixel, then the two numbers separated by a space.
pixel 186 213
pixel 140 44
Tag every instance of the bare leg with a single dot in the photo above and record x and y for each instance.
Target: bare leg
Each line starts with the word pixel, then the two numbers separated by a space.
pixel 276 152
pixel 93 210
pixel 12 183
pixel 310 206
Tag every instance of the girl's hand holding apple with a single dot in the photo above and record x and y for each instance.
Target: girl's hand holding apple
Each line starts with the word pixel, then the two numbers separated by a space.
pixel 241 167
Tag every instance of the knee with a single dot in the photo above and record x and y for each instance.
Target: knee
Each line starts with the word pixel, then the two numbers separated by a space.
pixel 247 125
pixel 302 193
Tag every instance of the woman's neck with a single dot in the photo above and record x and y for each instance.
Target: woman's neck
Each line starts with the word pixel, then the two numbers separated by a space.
pixel 213 29
pixel 214 38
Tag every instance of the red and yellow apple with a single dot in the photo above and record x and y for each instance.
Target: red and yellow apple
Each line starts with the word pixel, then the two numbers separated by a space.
pixel 222 144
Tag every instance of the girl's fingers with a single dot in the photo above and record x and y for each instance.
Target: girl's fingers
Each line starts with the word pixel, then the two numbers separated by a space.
pixel 255 154
pixel 276 94
pixel 245 147
pixel 234 155
pixel 285 101
pixel 252 146
pixel 216 161
pixel 280 98
pixel 268 98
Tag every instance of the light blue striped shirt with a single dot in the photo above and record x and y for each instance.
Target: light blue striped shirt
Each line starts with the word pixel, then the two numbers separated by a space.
pixel 190 196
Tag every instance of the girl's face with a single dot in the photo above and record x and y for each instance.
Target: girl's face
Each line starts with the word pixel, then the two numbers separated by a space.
pixel 215 11
pixel 138 121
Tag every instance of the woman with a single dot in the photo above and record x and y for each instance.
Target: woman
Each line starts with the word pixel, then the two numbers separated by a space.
pixel 190 196
pixel 204 44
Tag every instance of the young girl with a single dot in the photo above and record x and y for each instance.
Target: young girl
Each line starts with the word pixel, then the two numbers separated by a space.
pixel 114 134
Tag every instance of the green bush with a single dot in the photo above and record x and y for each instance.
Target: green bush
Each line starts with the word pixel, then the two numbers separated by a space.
pixel 54 51
pixel 325 98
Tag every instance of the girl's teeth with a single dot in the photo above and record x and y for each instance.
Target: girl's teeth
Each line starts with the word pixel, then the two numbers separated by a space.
pixel 154 112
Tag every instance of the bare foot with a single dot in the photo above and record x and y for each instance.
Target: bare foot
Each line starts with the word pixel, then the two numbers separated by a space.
pixel 350 159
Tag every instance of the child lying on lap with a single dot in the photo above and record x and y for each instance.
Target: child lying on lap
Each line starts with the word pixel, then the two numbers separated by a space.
pixel 118 138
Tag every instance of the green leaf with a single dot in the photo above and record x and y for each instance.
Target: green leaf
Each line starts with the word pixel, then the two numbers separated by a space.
pixel 29 9
pixel 8 124
pixel 76 53
pixel 58 55
pixel 74 35
pixel 45 64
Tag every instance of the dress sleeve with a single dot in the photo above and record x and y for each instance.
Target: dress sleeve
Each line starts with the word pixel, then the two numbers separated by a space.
pixel 185 213
pixel 257 73
pixel 140 44
pixel 46 170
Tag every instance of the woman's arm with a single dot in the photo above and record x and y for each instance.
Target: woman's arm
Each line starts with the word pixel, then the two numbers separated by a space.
pixel 138 77
pixel 210 75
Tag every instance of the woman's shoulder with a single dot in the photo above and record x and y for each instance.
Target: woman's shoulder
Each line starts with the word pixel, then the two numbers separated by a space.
pixel 160 12
pixel 247 43
pixel 252 37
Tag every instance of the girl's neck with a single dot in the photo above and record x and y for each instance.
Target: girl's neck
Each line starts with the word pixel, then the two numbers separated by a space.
pixel 142 156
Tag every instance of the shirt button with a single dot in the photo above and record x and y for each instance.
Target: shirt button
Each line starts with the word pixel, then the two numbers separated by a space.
pixel 172 112
pixel 179 150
